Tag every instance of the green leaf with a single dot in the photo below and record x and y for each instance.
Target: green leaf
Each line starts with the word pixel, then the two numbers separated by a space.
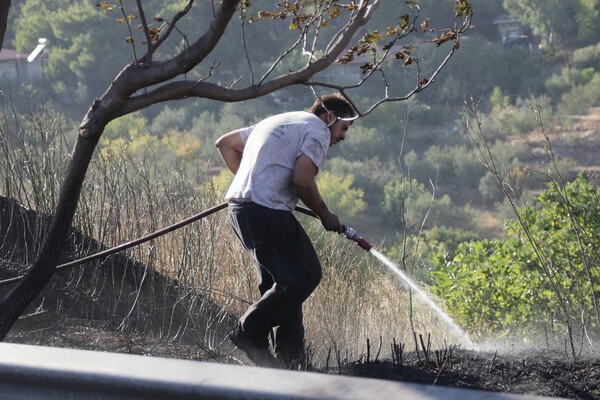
pixel 403 21
pixel 462 8
pixel 371 37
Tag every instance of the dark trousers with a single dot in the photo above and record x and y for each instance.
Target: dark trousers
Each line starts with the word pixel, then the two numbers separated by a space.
pixel 288 272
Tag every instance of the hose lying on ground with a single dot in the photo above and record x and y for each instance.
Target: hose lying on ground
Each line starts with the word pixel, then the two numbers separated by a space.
pixel 144 239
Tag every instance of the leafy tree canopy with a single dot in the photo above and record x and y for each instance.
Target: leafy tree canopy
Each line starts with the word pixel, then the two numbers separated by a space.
pixel 546 273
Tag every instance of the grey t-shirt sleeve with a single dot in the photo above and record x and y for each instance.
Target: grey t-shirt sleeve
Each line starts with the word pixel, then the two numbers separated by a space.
pixel 315 145
pixel 245 133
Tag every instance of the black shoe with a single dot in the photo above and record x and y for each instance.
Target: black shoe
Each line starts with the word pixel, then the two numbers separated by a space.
pixel 291 360
pixel 259 355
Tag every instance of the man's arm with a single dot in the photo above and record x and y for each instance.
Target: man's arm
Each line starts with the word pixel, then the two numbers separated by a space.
pixel 303 179
pixel 231 148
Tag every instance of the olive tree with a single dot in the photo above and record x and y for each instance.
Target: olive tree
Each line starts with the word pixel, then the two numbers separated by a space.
pixel 169 63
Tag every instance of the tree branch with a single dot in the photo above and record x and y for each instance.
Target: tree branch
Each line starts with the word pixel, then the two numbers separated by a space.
pixel 146 30
pixel 133 78
pixel 421 83
pixel 184 89
pixel 167 33
pixel 244 44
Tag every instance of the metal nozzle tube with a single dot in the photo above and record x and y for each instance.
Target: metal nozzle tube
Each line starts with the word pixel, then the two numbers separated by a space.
pixel 351 234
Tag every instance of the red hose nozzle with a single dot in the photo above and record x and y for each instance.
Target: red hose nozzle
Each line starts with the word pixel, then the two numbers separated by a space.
pixel 351 234
pixel 363 244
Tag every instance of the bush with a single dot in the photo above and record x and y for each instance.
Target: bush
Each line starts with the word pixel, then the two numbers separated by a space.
pixel 569 78
pixel 489 189
pixel 422 168
pixel 522 119
pixel 409 204
pixel 347 202
pixel 546 272
pixel 419 249
pixel 369 175
pixel 511 119
pixel 466 168
pixel 453 165
pixel 581 97
pixel 587 57
pixel 498 100
pixel 364 143
pixel 127 126
pixel 170 119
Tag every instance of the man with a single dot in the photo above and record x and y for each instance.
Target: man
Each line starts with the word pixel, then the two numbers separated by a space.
pixel 275 163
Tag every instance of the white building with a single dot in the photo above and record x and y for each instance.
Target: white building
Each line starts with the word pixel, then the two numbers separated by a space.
pixel 23 68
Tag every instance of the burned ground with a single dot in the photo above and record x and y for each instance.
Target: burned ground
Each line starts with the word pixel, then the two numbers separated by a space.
pixel 99 307
pixel 535 372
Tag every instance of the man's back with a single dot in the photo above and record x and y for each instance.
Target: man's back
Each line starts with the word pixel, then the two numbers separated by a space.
pixel 271 149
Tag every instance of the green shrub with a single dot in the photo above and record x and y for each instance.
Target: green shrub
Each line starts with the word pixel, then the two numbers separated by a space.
pixel 127 126
pixel 369 175
pixel 466 168
pixel 409 204
pixel 419 249
pixel 569 78
pixel 489 189
pixel 581 97
pixel 423 168
pixel 547 271
pixel 498 100
pixel 170 119
pixel 587 57
pixel 522 119
pixel 455 166
pixel 364 143
pixel 510 119
pixel 343 199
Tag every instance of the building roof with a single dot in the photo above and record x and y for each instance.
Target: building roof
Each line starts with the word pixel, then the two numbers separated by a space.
pixel 505 19
pixel 10 54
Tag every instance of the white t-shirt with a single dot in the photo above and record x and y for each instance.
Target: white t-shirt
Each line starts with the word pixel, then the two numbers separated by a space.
pixel 271 149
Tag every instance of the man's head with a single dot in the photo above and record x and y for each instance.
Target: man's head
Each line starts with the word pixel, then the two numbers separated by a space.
pixel 333 103
pixel 337 113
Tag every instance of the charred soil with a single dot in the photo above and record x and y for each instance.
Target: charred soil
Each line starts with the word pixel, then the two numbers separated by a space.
pixel 538 373
pixel 104 307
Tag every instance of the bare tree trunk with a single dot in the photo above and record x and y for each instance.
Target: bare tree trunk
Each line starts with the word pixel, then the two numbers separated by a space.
pixel 18 299
pixel 4 7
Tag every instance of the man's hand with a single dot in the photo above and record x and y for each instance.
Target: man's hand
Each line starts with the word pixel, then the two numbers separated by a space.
pixel 332 223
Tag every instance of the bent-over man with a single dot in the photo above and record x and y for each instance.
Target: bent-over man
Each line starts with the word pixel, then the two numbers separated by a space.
pixel 275 163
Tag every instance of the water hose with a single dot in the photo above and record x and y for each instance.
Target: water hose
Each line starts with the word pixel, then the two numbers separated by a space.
pixel 349 233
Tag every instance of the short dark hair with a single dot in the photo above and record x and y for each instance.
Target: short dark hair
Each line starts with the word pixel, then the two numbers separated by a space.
pixel 335 103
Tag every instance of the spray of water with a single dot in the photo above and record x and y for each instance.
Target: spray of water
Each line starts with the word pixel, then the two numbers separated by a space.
pixel 398 272
pixel 351 234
